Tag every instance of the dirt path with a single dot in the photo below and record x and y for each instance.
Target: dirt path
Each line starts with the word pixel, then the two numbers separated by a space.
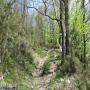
pixel 40 83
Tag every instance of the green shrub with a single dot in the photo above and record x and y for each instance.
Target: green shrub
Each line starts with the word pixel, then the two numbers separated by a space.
pixel 68 67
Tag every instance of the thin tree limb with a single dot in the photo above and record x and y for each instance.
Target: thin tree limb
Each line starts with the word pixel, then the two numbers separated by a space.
pixel 44 14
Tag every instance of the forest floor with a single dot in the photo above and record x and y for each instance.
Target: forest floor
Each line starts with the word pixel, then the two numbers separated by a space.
pixel 41 82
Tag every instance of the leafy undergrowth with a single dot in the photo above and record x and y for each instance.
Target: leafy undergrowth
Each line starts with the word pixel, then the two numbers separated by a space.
pixel 47 77
pixel 75 82
pixel 79 80
pixel 26 84
pixel 60 83
pixel 41 51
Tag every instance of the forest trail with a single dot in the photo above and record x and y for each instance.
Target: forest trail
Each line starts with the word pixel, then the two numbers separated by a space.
pixel 40 82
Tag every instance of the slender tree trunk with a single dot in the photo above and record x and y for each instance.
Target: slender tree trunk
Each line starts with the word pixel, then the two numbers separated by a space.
pixel 82 7
pixel 25 11
pixel 67 42
pixel 82 3
pixel 63 47
pixel 84 41
pixel 62 30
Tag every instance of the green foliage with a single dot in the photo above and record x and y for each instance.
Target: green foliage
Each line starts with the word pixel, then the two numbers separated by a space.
pixel 82 81
pixel 55 82
pixel 78 27
pixel 52 59
pixel 41 34
pixel 68 68
pixel 42 51
pixel 15 55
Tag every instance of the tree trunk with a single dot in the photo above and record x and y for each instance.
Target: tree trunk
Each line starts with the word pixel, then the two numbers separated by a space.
pixel 25 10
pixel 84 41
pixel 82 7
pixel 67 42
pixel 82 3
pixel 62 30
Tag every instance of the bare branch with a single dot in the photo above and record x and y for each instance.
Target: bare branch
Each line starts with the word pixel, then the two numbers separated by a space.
pixel 44 14
pixel 44 2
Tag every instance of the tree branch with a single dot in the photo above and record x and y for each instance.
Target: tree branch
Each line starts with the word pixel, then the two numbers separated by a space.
pixel 44 14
